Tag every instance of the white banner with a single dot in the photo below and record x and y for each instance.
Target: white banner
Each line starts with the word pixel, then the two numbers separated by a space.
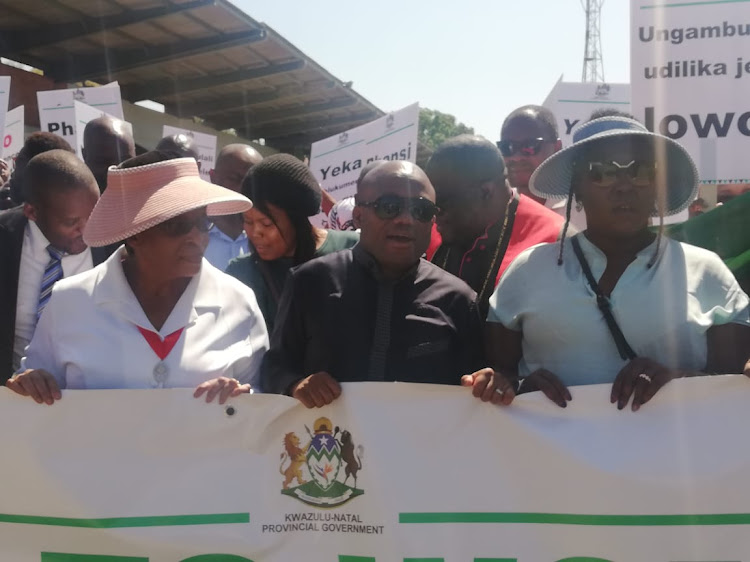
pixel 13 135
pixel 83 114
pixel 337 161
pixel 206 145
pixel 574 102
pixel 690 73
pixel 57 110
pixel 388 472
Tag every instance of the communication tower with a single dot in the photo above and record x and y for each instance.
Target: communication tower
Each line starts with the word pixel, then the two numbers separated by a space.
pixel 593 63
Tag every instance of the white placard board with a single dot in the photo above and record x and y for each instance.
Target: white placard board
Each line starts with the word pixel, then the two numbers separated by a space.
pixel 57 108
pixel 337 161
pixel 13 135
pixel 690 74
pixel 574 102
pixel 4 97
pixel 206 145
pixel 83 114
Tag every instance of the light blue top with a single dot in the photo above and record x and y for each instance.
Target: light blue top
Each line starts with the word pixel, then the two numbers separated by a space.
pixel 664 312
pixel 222 249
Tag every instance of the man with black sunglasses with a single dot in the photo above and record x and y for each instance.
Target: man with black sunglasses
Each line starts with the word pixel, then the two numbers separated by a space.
pixel 378 312
pixel 483 222
pixel 528 137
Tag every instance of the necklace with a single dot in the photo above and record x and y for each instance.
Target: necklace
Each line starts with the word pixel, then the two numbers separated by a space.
pixel 500 244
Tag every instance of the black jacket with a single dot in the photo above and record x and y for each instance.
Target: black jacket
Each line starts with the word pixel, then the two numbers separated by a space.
pixel 337 316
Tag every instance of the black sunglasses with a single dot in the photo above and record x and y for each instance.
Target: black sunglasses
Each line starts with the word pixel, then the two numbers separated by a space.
pixel 527 147
pixel 388 207
pixel 181 225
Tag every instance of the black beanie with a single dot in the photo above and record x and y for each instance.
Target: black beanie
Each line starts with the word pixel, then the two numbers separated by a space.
pixel 283 181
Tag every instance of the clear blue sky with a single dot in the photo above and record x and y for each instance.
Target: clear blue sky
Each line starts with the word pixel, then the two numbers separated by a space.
pixel 475 59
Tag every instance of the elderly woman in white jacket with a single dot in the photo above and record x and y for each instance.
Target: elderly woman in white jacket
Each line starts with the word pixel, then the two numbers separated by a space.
pixel 156 314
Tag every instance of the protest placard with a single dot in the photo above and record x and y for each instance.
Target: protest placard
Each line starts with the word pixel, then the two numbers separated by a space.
pixel 574 102
pixel 83 114
pixel 206 146
pixel 57 108
pixel 690 75
pixel 13 135
pixel 337 161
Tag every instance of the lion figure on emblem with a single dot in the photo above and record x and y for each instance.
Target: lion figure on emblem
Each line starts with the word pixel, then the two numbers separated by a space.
pixel 297 459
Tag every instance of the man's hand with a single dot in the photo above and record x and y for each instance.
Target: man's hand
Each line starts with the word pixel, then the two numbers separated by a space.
pixel 38 384
pixel 641 378
pixel 747 368
pixel 224 387
pixel 490 386
pixel 317 390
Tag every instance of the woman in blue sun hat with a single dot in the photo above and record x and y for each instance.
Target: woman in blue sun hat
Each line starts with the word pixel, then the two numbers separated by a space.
pixel 617 303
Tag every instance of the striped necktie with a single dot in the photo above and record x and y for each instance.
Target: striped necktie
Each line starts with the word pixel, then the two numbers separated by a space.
pixel 52 274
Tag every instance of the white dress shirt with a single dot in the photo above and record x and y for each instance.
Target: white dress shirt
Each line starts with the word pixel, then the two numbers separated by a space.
pixel 34 260
pixel 88 336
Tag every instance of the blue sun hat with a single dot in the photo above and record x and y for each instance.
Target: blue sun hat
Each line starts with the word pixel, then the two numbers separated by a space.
pixel 552 179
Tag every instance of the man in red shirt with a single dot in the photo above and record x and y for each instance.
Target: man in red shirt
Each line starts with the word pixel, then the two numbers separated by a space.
pixel 483 223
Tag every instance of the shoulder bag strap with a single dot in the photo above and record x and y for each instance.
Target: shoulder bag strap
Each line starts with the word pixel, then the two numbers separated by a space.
pixel 623 347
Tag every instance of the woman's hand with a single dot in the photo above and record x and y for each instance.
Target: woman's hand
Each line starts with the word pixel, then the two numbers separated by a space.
pixel 224 387
pixel 38 384
pixel 642 378
pixel 747 368
pixel 552 387
pixel 490 386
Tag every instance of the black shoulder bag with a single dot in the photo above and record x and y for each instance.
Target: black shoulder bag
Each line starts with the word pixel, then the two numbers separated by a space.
pixel 626 352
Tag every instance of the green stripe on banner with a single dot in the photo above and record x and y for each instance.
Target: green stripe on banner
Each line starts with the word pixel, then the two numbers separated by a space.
pixel 62 557
pixel 688 4
pixel 700 519
pixel 125 522
pixel 596 102
pixel 339 148
pixel 356 558
pixel 391 133
pixel 56 108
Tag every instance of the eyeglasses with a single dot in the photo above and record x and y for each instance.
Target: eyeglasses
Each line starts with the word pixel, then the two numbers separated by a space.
pixel 606 174
pixel 182 225
pixel 388 207
pixel 528 147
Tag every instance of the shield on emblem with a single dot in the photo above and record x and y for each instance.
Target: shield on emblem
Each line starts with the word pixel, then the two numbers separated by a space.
pixel 324 459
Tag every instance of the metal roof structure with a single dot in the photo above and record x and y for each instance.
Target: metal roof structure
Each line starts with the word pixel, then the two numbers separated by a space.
pixel 200 58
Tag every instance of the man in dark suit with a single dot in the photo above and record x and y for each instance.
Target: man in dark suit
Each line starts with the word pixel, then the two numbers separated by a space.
pixel 41 242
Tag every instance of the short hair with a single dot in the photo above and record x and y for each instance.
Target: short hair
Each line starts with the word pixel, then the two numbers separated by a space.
pixel 470 156
pixel 610 112
pixel 55 169
pixel 40 142
pixel 537 113
pixel 150 157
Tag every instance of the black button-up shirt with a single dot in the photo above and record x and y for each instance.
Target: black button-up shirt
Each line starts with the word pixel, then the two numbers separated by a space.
pixel 338 315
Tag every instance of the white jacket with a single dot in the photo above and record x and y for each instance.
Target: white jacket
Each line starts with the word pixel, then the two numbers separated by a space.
pixel 88 336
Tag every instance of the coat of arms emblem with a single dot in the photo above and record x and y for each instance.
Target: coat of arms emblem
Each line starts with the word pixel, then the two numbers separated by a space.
pixel 325 469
